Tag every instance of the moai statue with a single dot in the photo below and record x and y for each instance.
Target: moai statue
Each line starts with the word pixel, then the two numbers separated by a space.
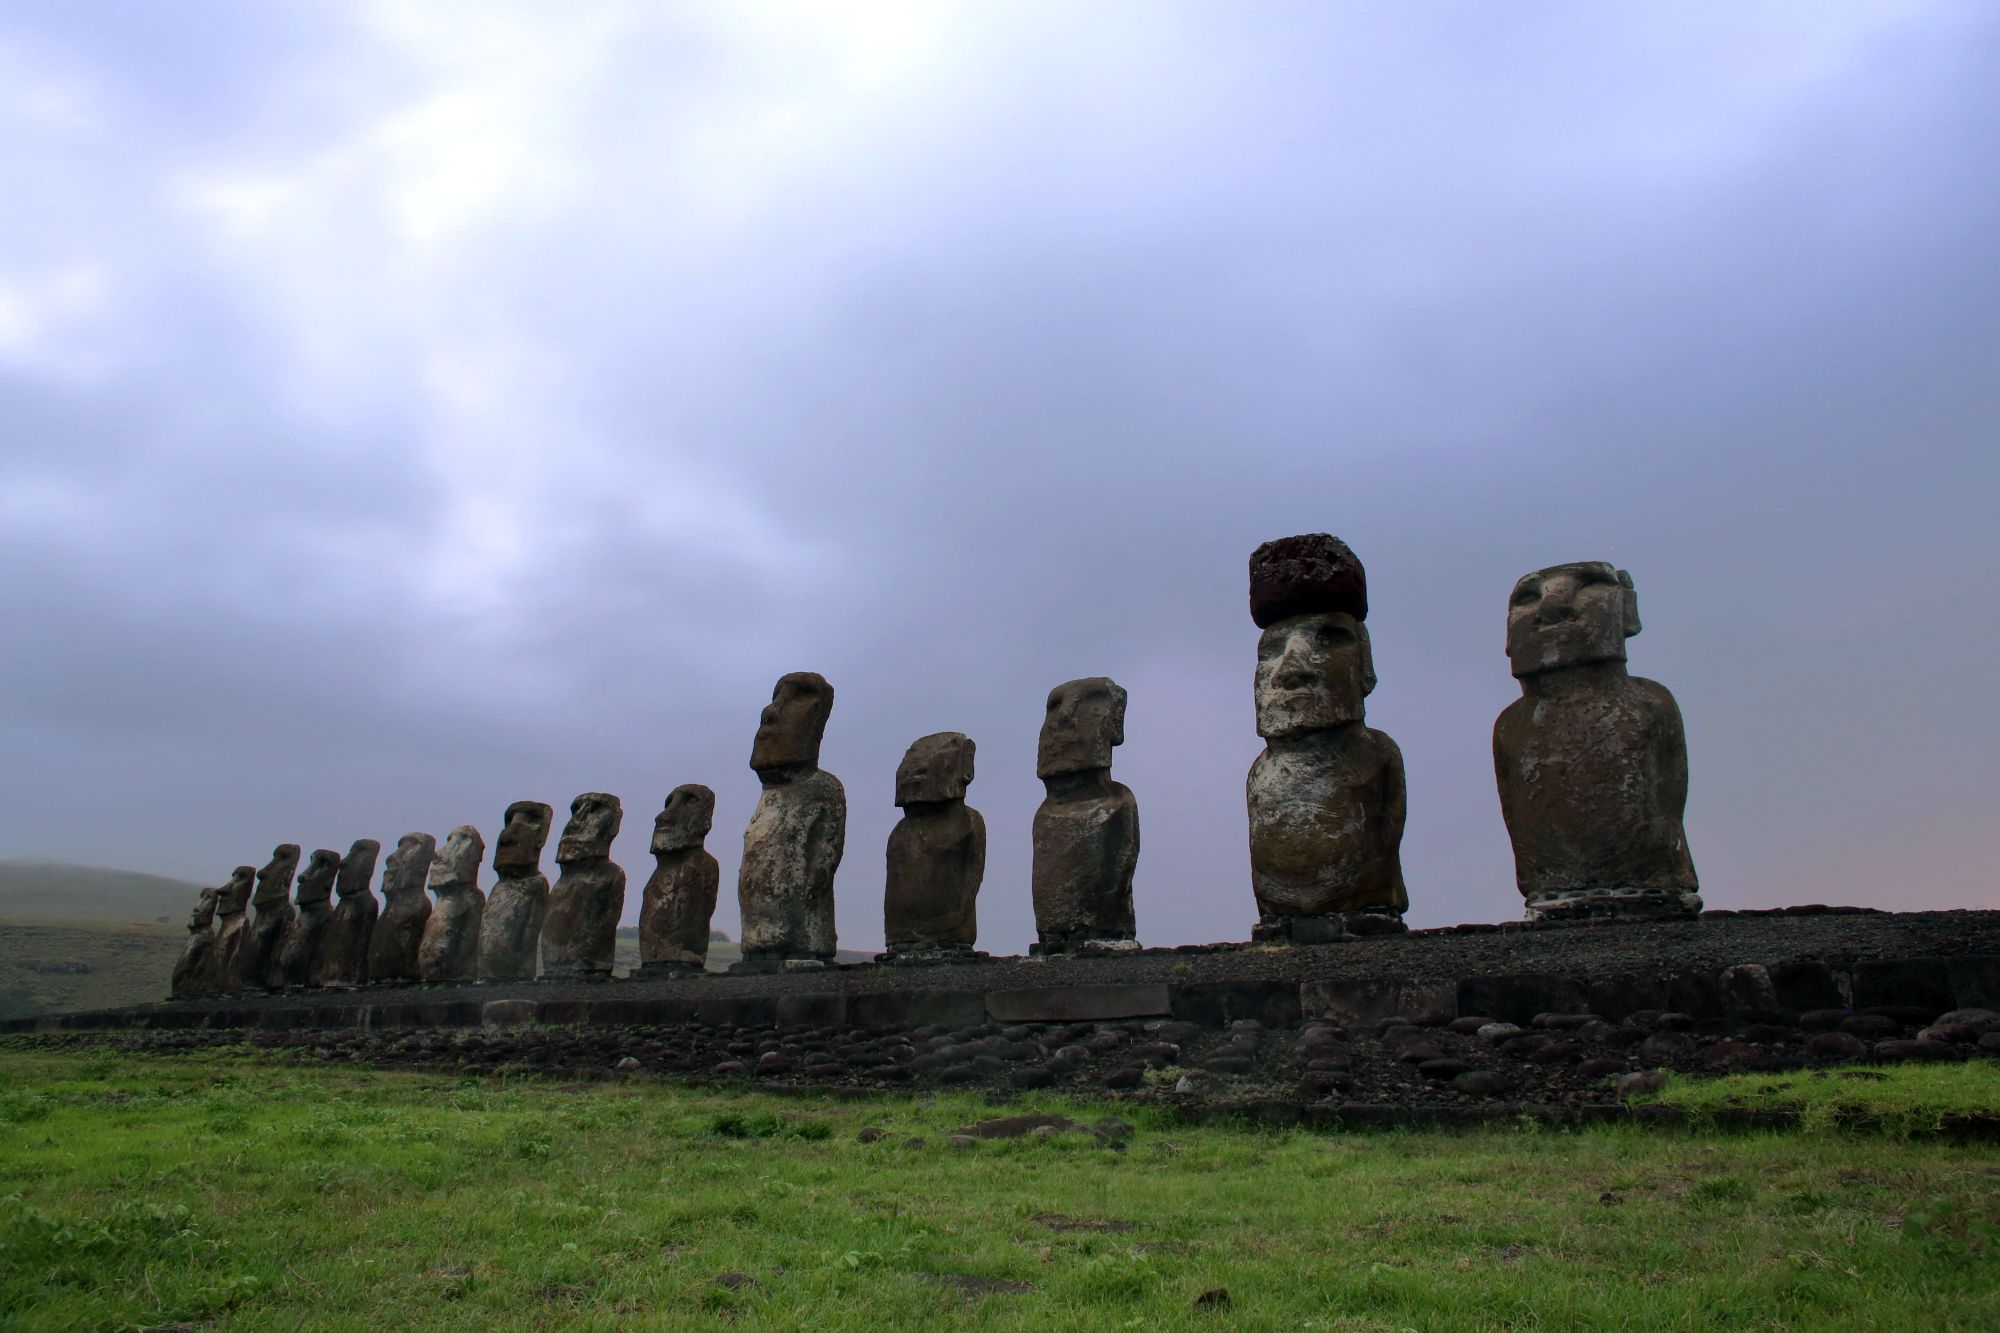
pixel 232 929
pixel 399 931
pixel 1086 830
pixel 341 960
pixel 273 901
pixel 511 936
pixel 450 947
pixel 937 855
pixel 580 936
pixel 1592 762
pixel 792 847
pixel 1326 797
pixel 194 970
pixel 311 913
pixel 680 896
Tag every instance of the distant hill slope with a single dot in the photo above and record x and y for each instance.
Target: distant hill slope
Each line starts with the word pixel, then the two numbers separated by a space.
pixel 50 892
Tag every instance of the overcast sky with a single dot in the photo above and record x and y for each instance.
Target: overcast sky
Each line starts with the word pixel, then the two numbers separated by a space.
pixel 410 408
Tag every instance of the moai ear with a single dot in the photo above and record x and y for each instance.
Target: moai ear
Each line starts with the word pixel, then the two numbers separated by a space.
pixel 1367 661
pixel 1631 604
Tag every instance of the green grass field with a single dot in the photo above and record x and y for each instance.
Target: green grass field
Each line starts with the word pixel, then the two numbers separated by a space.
pixel 237 1190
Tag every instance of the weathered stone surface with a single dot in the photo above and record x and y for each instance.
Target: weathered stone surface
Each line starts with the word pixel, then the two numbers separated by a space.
pixel 399 931
pixel 1306 575
pixel 311 911
pixel 1086 830
pixel 510 936
pixel 194 970
pixel 232 929
pixel 1326 797
pixel 679 900
pixel 1369 999
pixel 341 958
pixel 793 845
pixel 1591 761
pixel 449 950
pixel 1078 1004
pixel 937 851
pixel 580 936
pixel 273 904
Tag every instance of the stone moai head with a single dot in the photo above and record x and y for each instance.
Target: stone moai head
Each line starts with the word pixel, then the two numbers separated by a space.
pixel 1309 594
pixel 1085 718
pixel 593 822
pixel 455 864
pixel 316 880
pixel 409 864
pixel 274 881
pixel 791 726
pixel 937 768
pixel 203 914
pixel 233 897
pixel 685 820
pixel 1570 615
pixel 357 868
pixel 524 831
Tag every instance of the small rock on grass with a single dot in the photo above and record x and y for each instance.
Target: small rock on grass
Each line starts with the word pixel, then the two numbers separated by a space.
pixel 1647 1080
pixel 870 1134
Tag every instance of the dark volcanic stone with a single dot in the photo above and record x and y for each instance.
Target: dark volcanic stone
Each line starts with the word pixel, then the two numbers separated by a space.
pixel 1311 573
pixel 1832 1046
pixel 1482 1083
pixel 1443 1068
pixel 1870 1027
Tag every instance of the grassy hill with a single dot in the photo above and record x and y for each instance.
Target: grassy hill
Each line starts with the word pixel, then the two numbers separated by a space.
pixel 84 937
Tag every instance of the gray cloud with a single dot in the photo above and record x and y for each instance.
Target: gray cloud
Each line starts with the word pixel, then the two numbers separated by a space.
pixel 418 408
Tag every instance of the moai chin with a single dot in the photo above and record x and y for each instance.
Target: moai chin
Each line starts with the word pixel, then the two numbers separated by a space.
pixel 511 936
pixel 341 960
pixel 1086 830
pixel 449 950
pixel 399 930
pixel 792 847
pixel 1591 762
pixel 194 970
pixel 580 935
pixel 273 917
pixel 1326 797
pixel 311 912
pixel 232 929
pixel 937 855
pixel 679 900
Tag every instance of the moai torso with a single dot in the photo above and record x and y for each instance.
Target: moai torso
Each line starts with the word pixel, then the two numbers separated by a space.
pixel 1326 798
pixel 399 930
pixel 679 900
pixel 273 906
pixel 510 937
pixel 793 845
pixel 311 911
pixel 449 950
pixel 232 929
pixel 1086 830
pixel 1591 762
pixel 580 935
pixel 194 970
pixel 341 959
pixel 937 851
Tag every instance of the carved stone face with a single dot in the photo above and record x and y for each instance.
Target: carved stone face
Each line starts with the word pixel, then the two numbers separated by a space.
pixel 274 881
pixel 791 725
pixel 1085 719
pixel 689 814
pixel 409 863
pixel 1570 615
pixel 456 863
pixel 316 880
pixel 1313 671
pixel 204 910
pixel 358 867
pixel 233 897
pixel 593 822
pixel 522 836
pixel 935 768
